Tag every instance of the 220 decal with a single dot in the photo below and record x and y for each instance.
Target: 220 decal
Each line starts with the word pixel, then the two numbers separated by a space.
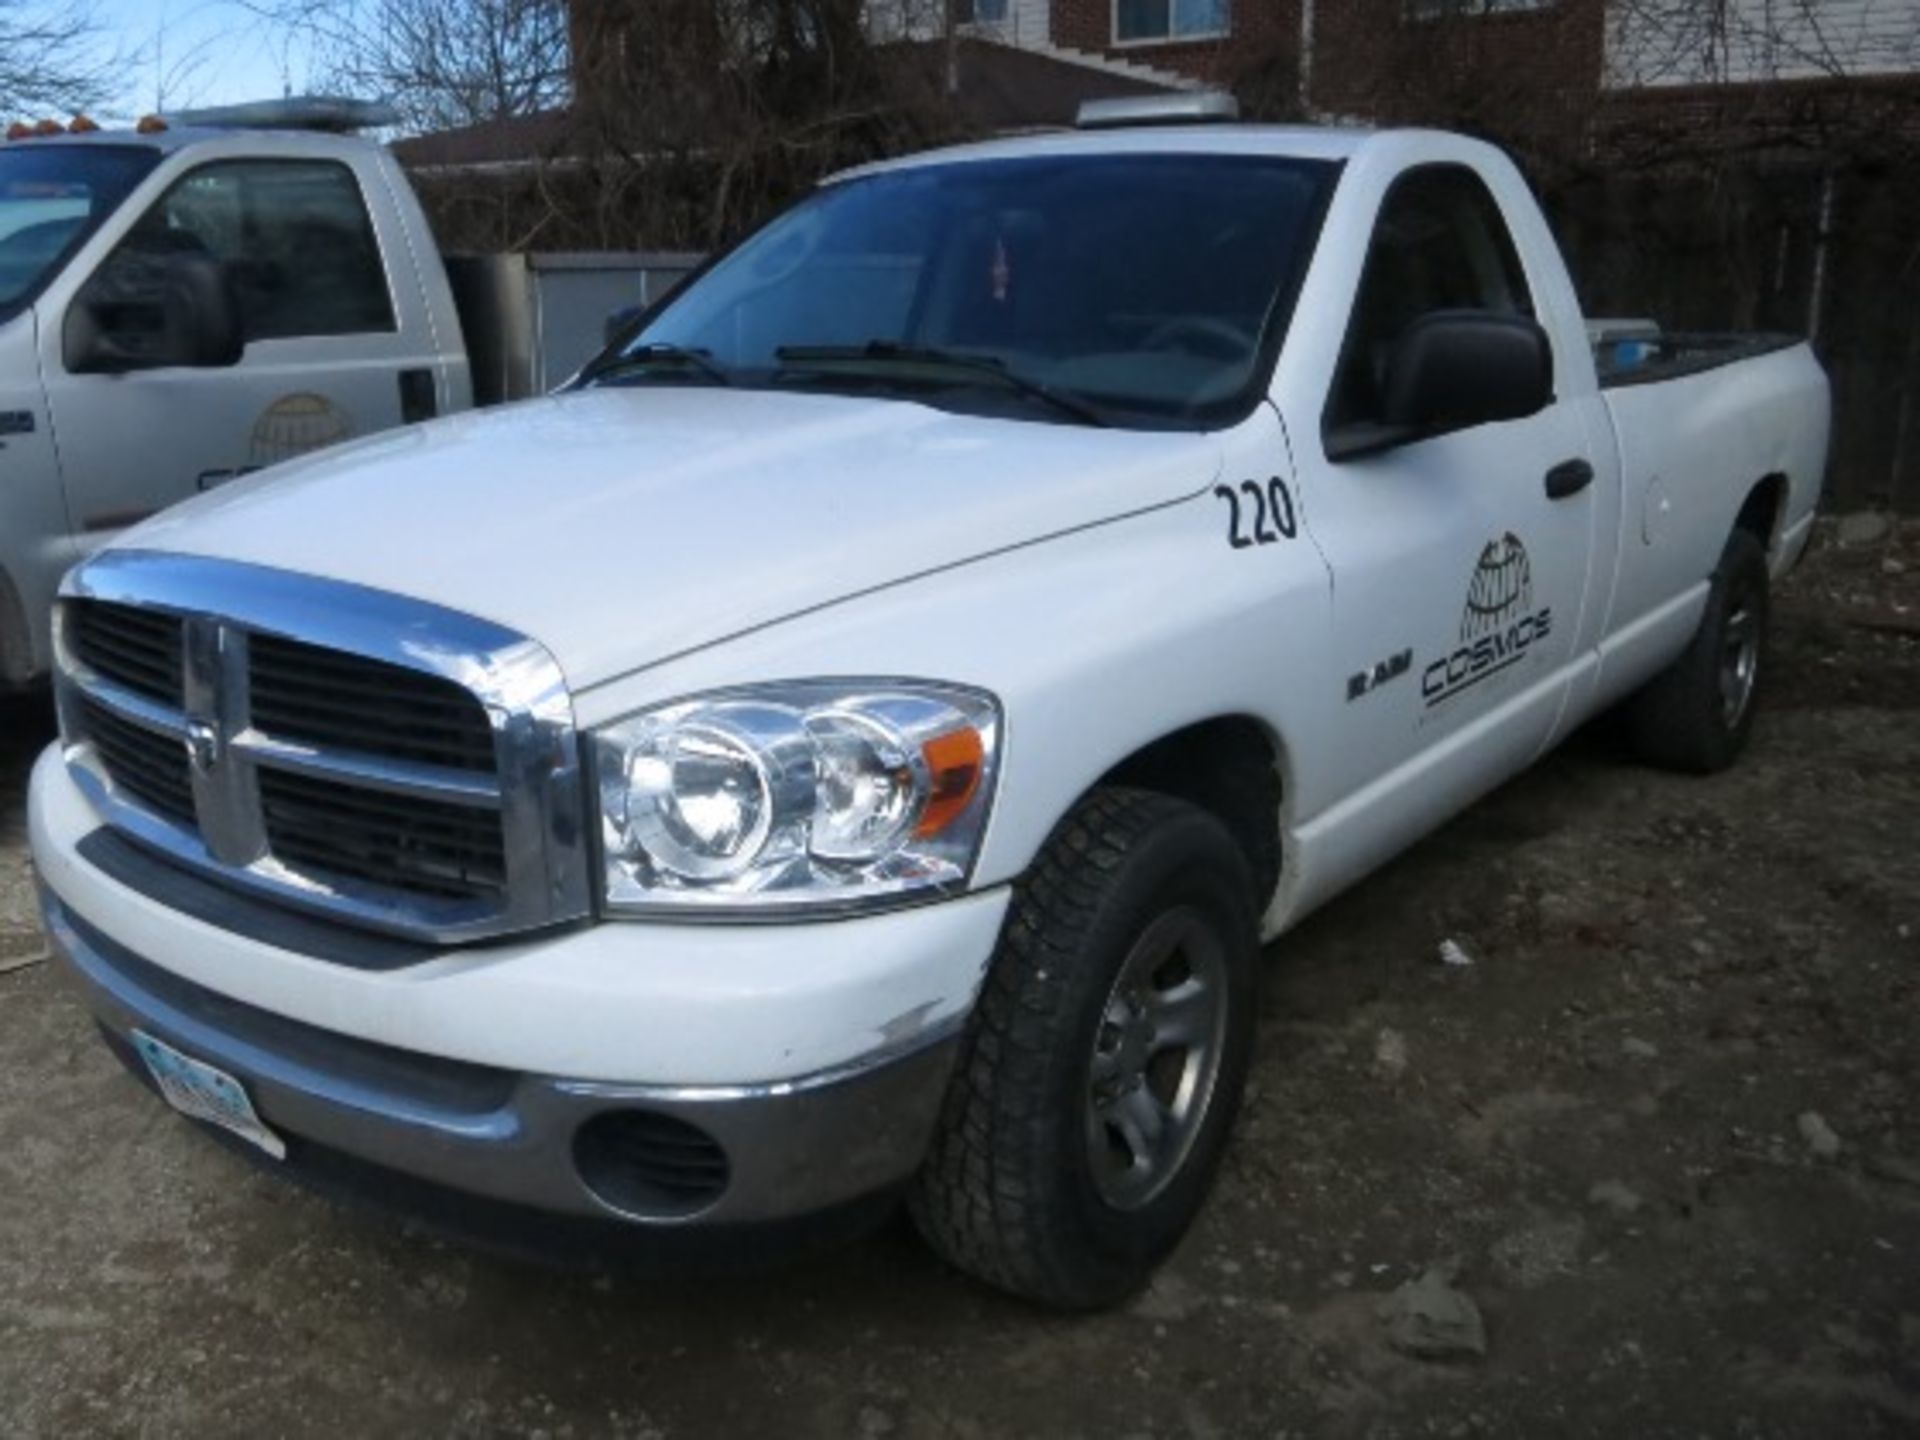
pixel 1274 502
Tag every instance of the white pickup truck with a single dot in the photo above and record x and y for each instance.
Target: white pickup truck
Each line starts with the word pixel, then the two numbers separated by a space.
pixel 196 299
pixel 855 742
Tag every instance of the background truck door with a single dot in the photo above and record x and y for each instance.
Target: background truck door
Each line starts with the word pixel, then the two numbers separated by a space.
pixel 324 356
pixel 1459 577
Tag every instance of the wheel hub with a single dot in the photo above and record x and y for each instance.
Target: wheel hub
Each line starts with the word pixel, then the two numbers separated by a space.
pixel 1156 1056
pixel 1739 663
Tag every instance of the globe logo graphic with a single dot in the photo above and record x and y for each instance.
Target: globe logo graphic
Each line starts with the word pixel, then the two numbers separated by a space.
pixel 295 424
pixel 1501 590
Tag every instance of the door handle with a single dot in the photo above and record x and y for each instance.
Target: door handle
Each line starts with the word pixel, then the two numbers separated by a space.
pixel 1567 478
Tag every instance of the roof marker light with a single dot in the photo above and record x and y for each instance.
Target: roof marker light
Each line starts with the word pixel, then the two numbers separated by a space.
pixel 150 125
pixel 83 125
pixel 19 130
pixel 49 127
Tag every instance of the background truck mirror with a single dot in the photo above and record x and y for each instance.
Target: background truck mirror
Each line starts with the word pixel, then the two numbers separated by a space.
pixel 145 312
pixel 620 321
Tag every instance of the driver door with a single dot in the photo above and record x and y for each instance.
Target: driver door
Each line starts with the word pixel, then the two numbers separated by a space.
pixel 1459 577
pixel 321 354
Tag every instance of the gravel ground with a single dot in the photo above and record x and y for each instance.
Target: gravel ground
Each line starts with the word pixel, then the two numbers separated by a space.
pixel 1662 1131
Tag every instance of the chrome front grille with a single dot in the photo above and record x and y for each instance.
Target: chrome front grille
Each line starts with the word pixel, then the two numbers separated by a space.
pixel 399 765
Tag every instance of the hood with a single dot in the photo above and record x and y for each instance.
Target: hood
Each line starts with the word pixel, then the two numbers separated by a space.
pixel 621 527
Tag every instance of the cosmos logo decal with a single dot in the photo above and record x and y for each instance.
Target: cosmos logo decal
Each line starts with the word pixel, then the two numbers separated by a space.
pixel 1498 626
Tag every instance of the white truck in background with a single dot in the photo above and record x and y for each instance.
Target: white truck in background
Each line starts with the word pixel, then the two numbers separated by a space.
pixel 855 742
pixel 204 296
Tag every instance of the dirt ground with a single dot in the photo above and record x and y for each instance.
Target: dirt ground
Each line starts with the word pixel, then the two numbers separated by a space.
pixel 1599 1125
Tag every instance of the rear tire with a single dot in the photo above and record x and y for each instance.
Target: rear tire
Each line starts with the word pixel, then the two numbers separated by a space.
pixel 1101 1069
pixel 1696 715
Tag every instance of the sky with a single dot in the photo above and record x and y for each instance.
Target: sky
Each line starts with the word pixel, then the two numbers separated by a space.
pixel 177 54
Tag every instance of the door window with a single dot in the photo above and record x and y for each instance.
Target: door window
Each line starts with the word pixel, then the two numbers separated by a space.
pixel 293 234
pixel 1440 244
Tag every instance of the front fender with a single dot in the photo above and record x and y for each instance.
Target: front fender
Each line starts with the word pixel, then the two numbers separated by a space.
pixel 1097 643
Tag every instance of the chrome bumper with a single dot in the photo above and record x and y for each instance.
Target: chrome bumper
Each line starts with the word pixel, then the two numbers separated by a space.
pixel 787 1150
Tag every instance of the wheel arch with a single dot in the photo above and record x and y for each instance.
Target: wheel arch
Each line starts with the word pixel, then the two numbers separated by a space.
pixel 1232 766
pixel 1763 510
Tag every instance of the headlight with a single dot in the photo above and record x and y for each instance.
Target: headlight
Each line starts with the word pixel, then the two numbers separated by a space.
pixel 812 795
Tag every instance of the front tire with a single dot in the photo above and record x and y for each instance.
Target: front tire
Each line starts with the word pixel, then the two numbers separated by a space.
pixel 1103 1064
pixel 1695 716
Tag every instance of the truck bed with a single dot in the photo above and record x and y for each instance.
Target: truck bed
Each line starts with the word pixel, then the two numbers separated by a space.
pixel 1641 358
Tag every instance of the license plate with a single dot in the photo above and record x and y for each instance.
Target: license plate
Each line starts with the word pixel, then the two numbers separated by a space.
pixel 195 1088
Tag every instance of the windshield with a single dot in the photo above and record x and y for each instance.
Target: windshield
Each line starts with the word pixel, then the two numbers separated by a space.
pixel 51 198
pixel 1141 289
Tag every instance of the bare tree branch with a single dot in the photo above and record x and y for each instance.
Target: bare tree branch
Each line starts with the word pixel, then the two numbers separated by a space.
pixel 53 59
pixel 443 63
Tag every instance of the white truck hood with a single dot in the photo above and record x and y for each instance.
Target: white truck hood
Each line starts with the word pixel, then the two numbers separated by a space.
pixel 621 527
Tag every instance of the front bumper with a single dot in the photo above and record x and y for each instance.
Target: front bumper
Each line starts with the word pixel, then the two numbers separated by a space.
pixel 565 1073
pixel 784 1150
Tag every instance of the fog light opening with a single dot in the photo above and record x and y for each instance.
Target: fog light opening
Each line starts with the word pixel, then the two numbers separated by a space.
pixel 650 1166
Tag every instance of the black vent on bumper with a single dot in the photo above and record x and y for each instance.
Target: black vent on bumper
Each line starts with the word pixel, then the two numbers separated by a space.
pixel 425 846
pixel 147 765
pixel 134 648
pixel 647 1164
pixel 335 700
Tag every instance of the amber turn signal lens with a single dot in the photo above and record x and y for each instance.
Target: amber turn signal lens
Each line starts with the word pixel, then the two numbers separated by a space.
pixel 955 761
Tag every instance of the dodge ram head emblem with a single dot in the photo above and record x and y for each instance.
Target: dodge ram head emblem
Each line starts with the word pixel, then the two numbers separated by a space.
pixel 203 746
pixel 1498 626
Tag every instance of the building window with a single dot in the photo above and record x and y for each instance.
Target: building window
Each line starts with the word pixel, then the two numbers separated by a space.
pixel 981 12
pixel 1142 20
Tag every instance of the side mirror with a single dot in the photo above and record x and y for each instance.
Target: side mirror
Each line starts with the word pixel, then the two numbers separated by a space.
pixel 619 321
pixel 1455 369
pixel 146 312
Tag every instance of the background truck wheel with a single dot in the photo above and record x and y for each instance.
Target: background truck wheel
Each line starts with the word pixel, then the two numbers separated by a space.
pixel 1696 714
pixel 1103 1064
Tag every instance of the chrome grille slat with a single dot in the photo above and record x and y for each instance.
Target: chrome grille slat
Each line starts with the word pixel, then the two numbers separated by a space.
pixel 375 772
pixel 305 693
pixel 138 649
pixel 402 766
pixel 150 765
pixel 423 845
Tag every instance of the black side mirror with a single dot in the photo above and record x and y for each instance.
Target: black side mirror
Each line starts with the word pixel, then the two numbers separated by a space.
pixel 1455 369
pixel 146 312
pixel 619 321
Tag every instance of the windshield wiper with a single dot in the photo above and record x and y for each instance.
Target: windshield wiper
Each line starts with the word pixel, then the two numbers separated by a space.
pixel 887 357
pixel 656 356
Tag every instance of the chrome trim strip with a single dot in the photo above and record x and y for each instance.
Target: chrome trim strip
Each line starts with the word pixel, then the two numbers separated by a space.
pixel 130 705
pixel 372 772
pixel 537 788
